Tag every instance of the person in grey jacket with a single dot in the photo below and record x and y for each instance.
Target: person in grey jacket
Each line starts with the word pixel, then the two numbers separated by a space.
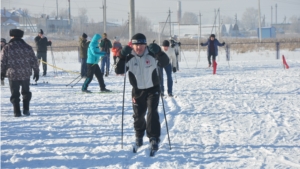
pixel 17 62
pixel 141 62
pixel 212 48
pixel 83 47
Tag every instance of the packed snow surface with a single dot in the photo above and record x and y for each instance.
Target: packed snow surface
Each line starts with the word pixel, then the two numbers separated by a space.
pixel 245 116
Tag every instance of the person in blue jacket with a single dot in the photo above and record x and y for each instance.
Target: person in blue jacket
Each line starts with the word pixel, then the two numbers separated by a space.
pixel 94 55
pixel 212 48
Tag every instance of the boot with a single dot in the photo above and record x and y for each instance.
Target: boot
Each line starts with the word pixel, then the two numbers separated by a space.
pixel 26 108
pixel 17 111
pixel 154 143
pixel 139 142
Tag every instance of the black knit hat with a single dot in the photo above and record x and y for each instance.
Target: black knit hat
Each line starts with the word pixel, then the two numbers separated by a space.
pixel 17 33
pixel 166 43
pixel 138 39
pixel 3 40
pixel 41 31
pixel 84 35
pixel 213 35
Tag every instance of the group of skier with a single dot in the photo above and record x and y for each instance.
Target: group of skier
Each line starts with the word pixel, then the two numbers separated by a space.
pixel 144 64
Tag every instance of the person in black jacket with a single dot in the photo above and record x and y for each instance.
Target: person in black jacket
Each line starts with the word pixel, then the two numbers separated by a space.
pixel 141 62
pixel 41 43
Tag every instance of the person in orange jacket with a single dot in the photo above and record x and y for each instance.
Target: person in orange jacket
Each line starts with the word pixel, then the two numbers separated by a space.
pixel 116 48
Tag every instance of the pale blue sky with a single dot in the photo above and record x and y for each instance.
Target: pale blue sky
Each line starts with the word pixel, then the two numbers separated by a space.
pixel 156 10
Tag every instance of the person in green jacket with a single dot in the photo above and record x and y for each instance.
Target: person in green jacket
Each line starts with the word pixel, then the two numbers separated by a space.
pixel 105 45
pixel 83 46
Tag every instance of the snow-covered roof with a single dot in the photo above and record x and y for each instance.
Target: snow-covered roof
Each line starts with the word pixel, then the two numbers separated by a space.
pixel 5 13
pixel 10 22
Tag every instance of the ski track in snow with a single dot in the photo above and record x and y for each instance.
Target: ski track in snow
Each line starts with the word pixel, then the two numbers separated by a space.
pixel 245 116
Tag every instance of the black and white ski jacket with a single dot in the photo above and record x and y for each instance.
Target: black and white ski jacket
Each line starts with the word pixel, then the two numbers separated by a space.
pixel 142 70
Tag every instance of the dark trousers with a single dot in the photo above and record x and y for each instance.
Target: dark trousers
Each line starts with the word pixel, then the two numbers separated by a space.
pixel 15 93
pixel 168 70
pixel 93 69
pixel 42 56
pixel 143 100
pixel 209 57
pixel 115 60
pixel 83 71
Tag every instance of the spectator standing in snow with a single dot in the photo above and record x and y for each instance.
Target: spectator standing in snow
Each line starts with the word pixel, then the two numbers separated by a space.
pixel 116 48
pixel 83 46
pixel 41 43
pixel 17 62
pixel 169 68
pixel 142 63
pixel 94 55
pixel 3 43
pixel 105 45
pixel 176 46
pixel 212 48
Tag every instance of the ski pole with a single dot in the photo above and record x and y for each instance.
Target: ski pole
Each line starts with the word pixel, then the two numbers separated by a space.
pixel 73 80
pixel 162 100
pixel 76 82
pixel 123 98
pixel 185 59
pixel 175 78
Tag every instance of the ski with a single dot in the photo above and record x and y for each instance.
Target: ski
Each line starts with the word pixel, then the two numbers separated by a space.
pixel 90 92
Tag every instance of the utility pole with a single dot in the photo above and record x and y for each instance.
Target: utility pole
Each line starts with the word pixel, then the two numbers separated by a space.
pixel 259 20
pixel 131 19
pixel 170 22
pixel 69 13
pixel 275 13
pixel 271 15
pixel 104 16
pixel 199 36
pixel 219 24
pixel 56 9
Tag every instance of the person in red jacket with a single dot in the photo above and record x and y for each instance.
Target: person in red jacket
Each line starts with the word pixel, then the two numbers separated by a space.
pixel 17 62
pixel 116 48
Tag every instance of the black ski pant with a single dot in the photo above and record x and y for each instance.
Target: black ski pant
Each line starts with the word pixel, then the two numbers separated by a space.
pixel 93 69
pixel 209 57
pixel 42 56
pixel 15 93
pixel 143 100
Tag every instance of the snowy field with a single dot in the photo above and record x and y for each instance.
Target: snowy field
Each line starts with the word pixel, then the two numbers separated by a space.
pixel 245 116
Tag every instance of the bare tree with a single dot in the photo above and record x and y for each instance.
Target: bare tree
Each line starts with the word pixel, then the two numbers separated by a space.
pixel 227 20
pixel 295 24
pixel 250 18
pixel 63 13
pixel 189 18
pixel 83 18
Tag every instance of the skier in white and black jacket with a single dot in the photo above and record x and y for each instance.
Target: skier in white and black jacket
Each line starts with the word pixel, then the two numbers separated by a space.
pixel 142 63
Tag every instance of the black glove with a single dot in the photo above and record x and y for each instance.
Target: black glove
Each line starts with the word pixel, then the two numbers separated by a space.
pixel 154 48
pixel 172 45
pixel 36 77
pixel 179 44
pixel 201 44
pixel 223 43
pixel 2 76
pixel 125 51
pixel 50 43
pixel 174 69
